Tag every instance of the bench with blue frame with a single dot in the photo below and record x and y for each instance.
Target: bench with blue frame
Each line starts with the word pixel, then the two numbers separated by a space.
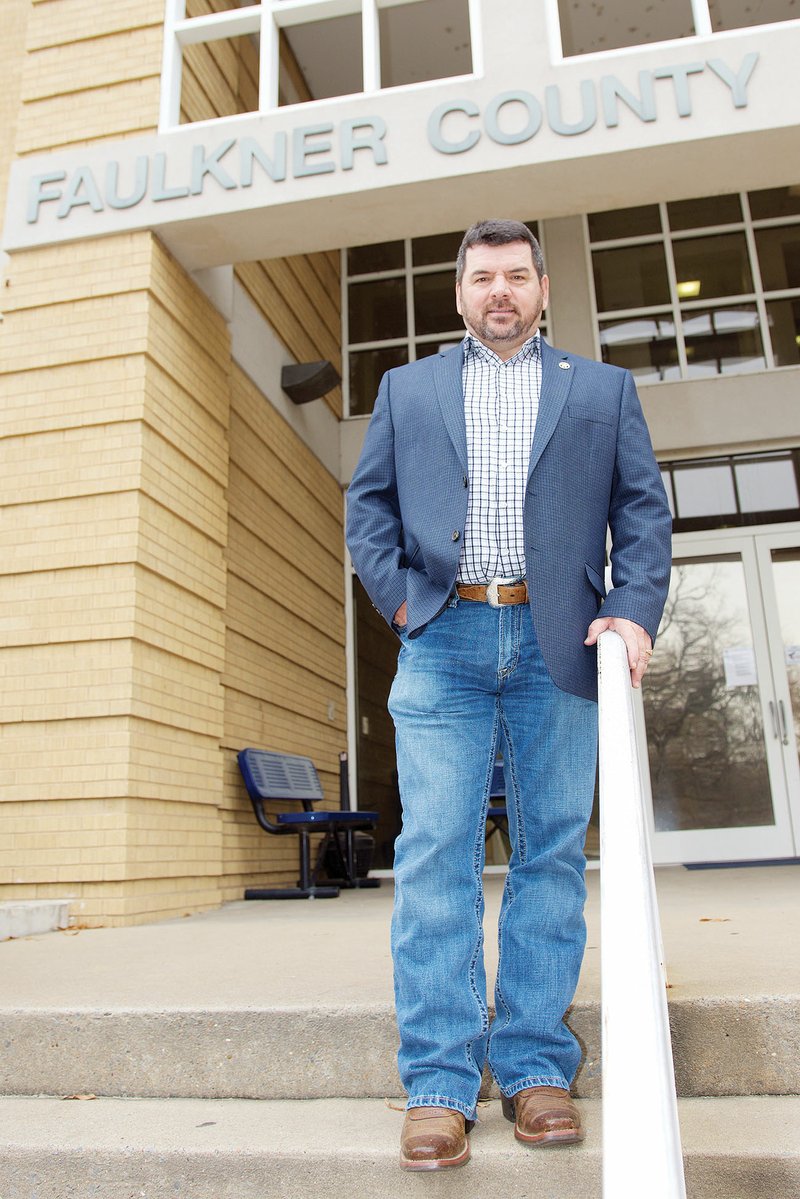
pixel 497 813
pixel 270 776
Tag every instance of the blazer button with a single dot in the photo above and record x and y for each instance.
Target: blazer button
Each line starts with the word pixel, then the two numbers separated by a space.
pixel 456 534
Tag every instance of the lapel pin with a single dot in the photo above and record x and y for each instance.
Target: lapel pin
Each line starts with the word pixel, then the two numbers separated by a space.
pixel 564 366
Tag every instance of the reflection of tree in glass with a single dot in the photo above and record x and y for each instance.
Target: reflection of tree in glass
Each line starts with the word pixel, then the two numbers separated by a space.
pixel 705 739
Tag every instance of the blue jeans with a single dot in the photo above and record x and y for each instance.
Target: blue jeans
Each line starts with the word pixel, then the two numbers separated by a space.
pixel 474 676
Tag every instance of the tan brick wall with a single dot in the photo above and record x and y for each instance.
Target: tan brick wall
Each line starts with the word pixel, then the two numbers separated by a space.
pixel 171 583
pixel 12 59
pixel 114 461
pixel 171 591
pixel 91 72
pixel 285 662
pixel 301 298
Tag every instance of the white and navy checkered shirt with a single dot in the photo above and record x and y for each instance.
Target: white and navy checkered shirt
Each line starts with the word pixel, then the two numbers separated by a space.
pixel 501 403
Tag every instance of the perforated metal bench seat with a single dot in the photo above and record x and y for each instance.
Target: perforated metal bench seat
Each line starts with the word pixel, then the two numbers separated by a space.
pixel 270 776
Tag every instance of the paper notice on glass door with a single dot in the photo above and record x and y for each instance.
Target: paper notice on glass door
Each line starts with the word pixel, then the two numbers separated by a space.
pixel 740 666
pixel 792 655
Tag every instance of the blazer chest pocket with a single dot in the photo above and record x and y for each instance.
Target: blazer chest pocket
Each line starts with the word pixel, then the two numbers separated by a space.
pixel 585 412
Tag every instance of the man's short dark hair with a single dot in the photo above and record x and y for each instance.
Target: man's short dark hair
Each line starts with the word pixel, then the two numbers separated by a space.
pixel 498 233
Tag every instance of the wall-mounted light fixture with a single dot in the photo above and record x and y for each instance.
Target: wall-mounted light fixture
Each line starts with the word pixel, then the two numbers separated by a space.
pixel 309 381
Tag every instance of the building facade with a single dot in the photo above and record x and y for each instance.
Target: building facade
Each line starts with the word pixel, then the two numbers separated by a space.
pixel 202 192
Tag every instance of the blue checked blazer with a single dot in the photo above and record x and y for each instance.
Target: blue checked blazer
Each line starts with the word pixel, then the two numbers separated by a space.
pixel 591 467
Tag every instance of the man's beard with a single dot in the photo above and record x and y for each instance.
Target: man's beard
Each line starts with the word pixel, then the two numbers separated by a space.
pixel 488 332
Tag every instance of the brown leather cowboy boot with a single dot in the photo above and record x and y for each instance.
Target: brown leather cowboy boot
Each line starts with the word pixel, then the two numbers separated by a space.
pixel 433 1138
pixel 544 1116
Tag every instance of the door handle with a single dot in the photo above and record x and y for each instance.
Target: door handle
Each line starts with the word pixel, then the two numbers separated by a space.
pixel 784 727
pixel 774 718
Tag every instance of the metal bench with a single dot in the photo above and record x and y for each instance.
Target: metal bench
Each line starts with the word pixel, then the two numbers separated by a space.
pixel 496 813
pixel 272 776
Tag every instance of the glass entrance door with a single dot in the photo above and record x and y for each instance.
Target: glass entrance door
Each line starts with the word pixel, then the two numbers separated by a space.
pixel 722 719
pixel 779 565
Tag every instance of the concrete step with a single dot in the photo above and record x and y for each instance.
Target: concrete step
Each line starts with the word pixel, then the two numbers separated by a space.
pixel 294 1000
pixel 30 917
pixel 240 1149
pixel 724 1046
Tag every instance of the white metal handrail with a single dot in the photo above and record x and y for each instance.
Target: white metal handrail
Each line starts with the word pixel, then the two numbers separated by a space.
pixel 641 1138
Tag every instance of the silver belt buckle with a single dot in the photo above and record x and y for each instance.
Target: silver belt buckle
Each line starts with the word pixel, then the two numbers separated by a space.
pixel 492 593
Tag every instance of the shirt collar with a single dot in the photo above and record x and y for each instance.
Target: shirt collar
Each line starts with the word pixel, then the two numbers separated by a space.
pixel 474 347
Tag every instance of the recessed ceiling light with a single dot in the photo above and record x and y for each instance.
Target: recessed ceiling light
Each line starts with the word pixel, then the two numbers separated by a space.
pixel 688 290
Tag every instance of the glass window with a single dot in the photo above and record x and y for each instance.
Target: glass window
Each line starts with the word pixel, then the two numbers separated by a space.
pixel 696 214
pixel 779 257
pixel 435 303
pixel 367 368
pixel 707 499
pixel 320 51
pixel 429 39
pixel 644 345
pixel 383 256
pixel 738 14
pixel 723 341
pixel 783 317
pixel 321 59
pixel 631 277
pixel 718 336
pixel 720 265
pixel 377 310
pixel 775 202
pixel 624 222
pixel 766 485
pixel 587 26
pixel 441 247
pixel 704 490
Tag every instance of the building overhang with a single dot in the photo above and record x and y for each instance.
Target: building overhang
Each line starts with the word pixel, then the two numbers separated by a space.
pixel 697 117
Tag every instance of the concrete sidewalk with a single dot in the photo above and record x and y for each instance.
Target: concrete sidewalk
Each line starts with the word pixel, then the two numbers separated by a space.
pixel 727 933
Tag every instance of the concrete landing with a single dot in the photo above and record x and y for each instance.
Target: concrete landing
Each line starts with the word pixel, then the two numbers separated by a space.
pixel 727 933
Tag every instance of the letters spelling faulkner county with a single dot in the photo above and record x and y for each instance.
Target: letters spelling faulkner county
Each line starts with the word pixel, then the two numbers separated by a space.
pixel 453 128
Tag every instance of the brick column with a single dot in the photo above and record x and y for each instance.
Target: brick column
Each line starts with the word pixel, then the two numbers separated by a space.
pixel 114 449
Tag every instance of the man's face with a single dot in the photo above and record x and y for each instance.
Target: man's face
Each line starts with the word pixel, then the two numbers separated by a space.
pixel 500 296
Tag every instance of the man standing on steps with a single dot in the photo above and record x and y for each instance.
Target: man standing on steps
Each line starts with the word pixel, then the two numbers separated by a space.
pixel 477 520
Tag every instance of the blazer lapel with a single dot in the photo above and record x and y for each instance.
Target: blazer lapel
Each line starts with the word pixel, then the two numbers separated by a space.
pixel 450 394
pixel 556 382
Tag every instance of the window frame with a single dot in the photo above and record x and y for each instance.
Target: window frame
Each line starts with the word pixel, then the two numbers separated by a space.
pixel 701 17
pixel 677 308
pixel 266 19
pixel 739 518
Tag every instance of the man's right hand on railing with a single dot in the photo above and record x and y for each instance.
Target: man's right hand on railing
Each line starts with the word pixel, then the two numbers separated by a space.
pixel 637 642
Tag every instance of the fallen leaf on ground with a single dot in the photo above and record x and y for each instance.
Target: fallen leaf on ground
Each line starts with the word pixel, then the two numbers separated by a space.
pixel 715 919
pixel 78 1096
